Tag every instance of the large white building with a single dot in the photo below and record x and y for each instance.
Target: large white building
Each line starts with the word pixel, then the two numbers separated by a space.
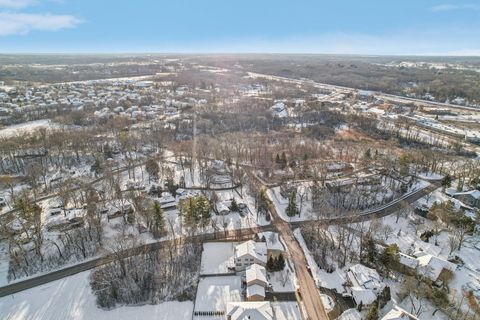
pixel 248 253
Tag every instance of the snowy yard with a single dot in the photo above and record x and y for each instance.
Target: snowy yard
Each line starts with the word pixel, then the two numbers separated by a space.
pixel 217 257
pixel 214 293
pixel 286 311
pixel 72 298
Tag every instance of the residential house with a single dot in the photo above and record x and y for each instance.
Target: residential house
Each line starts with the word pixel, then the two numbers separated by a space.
pixel 366 284
pixel 256 278
pixel 274 245
pixel 261 310
pixel 167 201
pixel 470 198
pixel 350 314
pixel 433 267
pixel 398 313
pixel 248 253
pixel 408 263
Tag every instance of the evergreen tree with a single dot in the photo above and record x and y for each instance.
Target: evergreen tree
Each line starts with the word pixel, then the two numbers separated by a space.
pixel 279 263
pixel 283 160
pixel 203 210
pixel 371 251
pixel 277 159
pixel 447 181
pixel 171 186
pixel 372 313
pixel 270 264
pixel 385 296
pixel 292 208
pixel 233 206
pixel 389 257
pixel 187 210
pixel 158 220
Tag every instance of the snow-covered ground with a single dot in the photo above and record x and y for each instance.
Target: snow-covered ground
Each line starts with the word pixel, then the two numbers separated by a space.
pixel 286 310
pixel 72 298
pixel 282 281
pixel 214 293
pixel 217 257
pixel 26 127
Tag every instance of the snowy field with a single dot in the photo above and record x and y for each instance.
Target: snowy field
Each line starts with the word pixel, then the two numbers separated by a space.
pixel 26 127
pixel 217 257
pixel 214 293
pixel 72 298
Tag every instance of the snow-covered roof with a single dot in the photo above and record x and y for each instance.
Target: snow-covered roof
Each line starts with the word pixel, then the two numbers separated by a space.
pixel 256 272
pixel 364 277
pixel 250 310
pixel 365 296
pixel 222 207
pixel 166 199
pixel 408 261
pixel 350 314
pixel 257 250
pixel 474 193
pixel 432 266
pixel 398 313
pixel 255 290
pixel 273 241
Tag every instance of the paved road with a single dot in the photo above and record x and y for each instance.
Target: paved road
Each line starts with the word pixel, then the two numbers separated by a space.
pixel 93 263
pixel 308 291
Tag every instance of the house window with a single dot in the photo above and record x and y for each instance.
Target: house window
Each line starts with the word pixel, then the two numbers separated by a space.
pixel 239 264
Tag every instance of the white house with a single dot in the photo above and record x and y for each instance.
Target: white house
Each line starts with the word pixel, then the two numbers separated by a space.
pixel 366 284
pixel 261 310
pixel 255 292
pixel 256 274
pixel 248 253
pixel 256 278
pixel 432 266
pixel 274 245
pixel 350 314
pixel 398 313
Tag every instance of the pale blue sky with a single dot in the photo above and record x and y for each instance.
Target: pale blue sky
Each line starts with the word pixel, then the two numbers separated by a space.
pixel 418 27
